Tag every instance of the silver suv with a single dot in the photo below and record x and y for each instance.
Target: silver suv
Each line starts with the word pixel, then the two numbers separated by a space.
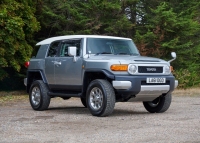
pixel 100 70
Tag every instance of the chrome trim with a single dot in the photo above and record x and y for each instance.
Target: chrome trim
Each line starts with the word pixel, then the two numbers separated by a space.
pixel 121 84
pixel 25 81
pixel 150 92
pixel 96 98
pixel 176 84
pixel 35 96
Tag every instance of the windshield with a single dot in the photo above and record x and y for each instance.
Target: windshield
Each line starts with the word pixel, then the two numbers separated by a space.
pixel 111 46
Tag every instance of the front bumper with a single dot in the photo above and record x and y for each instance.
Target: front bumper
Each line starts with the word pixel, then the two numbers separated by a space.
pixel 135 88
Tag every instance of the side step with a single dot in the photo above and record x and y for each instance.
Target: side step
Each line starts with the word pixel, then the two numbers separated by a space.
pixel 53 94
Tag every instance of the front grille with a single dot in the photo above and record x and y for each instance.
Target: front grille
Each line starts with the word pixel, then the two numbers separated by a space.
pixel 146 69
pixel 145 83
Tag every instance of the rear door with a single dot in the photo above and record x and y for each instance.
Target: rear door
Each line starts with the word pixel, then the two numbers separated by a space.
pixel 67 71
pixel 50 63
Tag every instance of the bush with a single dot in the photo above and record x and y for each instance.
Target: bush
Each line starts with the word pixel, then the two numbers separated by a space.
pixel 187 78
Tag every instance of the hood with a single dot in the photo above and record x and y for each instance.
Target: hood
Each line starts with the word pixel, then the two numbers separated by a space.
pixel 124 59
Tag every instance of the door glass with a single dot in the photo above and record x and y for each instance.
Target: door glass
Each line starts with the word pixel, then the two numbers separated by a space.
pixel 70 43
pixel 53 49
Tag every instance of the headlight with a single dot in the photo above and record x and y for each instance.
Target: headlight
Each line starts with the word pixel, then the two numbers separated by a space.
pixel 132 69
pixel 167 70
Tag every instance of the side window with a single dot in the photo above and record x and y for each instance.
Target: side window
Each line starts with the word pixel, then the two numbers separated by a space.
pixel 69 43
pixel 53 49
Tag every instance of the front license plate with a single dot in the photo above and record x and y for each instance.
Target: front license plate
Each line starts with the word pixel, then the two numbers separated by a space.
pixel 156 80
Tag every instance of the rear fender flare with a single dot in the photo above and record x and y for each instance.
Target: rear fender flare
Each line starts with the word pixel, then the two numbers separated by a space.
pixel 33 75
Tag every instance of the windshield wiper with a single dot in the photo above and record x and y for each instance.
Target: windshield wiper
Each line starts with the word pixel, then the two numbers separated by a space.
pixel 103 53
pixel 121 54
pixel 134 54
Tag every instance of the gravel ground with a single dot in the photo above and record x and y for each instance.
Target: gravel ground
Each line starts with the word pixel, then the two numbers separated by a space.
pixel 68 121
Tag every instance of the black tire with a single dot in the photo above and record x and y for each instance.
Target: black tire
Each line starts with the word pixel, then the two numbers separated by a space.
pixel 100 98
pixel 159 105
pixel 38 97
pixel 83 101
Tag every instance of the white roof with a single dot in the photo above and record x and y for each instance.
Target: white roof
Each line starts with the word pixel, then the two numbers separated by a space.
pixel 50 40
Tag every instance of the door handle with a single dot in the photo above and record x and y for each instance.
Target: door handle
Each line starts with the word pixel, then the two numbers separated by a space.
pixel 57 63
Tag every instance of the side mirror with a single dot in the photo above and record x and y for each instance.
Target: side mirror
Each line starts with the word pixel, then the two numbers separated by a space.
pixel 173 54
pixel 72 52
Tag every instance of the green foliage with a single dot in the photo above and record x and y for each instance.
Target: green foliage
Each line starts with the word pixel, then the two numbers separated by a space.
pixel 59 17
pixel 17 25
pixel 169 27
pixel 187 77
pixel 157 27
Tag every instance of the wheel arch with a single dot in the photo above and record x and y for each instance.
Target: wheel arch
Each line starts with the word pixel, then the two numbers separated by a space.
pixel 33 75
pixel 90 75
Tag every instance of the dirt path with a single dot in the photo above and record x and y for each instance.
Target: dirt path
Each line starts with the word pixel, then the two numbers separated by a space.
pixel 68 122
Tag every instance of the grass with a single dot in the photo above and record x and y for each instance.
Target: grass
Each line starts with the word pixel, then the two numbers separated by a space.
pixel 13 96
pixel 187 92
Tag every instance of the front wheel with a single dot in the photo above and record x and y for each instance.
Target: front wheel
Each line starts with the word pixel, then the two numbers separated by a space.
pixel 159 105
pixel 100 98
pixel 38 97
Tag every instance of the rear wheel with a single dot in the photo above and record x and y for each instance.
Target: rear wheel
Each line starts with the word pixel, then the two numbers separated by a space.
pixel 38 97
pixel 159 105
pixel 100 98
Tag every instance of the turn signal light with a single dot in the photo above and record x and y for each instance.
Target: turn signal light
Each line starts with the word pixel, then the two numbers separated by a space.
pixel 26 64
pixel 119 67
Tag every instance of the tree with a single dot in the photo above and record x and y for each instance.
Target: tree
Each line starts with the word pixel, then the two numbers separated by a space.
pixel 60 17
pixel 17 26
pixel 167 26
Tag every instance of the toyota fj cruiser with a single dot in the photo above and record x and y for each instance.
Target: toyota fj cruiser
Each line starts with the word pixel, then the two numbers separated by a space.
pixel 100 70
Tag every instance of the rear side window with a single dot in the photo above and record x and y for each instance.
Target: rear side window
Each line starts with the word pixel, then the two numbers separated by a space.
pixel 53 49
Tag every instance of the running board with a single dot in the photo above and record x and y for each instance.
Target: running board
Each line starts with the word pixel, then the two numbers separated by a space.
pixel 53 94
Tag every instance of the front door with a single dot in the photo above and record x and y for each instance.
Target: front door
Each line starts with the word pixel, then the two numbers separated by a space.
pixel 67 71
